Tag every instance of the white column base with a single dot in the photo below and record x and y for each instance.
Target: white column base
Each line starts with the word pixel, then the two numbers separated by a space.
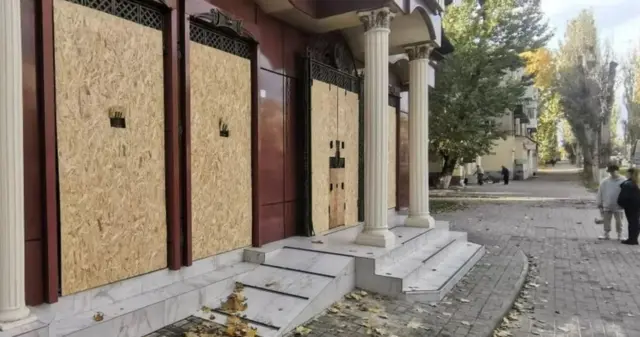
pixel 377 238
pixel 6 326
pixel 421 221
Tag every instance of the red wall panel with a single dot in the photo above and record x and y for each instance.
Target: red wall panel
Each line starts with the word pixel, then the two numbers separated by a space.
pixel 293 158
pixel 291 217
pixel 33 163
pixel 271 223
pixel 295 45
pixel 271 54
pixel 31 127
pixel 271 133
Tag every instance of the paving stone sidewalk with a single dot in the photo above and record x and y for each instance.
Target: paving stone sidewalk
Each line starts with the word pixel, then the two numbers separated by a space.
pixel 585 287
pixel 472 309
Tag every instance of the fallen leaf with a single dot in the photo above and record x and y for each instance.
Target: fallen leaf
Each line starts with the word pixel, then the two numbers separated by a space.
pixel 98 317
pixel 502 333
pixel 414 324
pixel 302 331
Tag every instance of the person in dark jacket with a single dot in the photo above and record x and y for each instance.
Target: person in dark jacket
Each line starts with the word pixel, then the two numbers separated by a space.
pixel 505 175
pixel 629 200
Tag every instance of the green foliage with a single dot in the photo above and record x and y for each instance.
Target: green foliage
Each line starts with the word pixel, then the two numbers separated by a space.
pixel 586 85
pixel 476 85
pixel 631 73
pixel 569 141
pixel 547 135
pixel 614 119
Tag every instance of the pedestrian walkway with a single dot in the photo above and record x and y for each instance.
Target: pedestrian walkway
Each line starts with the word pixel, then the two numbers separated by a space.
pixel 584 287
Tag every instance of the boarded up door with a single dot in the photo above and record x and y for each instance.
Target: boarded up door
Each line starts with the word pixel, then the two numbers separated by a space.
pixel 220 141
pixel 334 136
pixel 110 138
pixel 336 192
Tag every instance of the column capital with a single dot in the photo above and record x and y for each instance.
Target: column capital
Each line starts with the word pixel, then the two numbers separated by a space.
pixel 420 51
pixel 377 18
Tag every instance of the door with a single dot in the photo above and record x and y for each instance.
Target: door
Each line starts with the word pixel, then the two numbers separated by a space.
pixel 337 202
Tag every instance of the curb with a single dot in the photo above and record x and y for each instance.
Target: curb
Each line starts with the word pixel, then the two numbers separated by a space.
pixel 495 323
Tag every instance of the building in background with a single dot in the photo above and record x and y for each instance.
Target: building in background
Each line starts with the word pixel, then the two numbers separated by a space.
pixel 518 151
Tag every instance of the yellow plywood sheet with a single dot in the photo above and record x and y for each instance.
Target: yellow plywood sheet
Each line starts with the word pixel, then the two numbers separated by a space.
pixel 220 166
pixel 112 180
pixel 403 158
pixel 324 129
pixel 348 130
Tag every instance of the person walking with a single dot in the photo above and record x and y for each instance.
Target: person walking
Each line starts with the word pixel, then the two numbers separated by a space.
pixel 607 201
pixel 505 175
pixel 629 200
pixel 480 174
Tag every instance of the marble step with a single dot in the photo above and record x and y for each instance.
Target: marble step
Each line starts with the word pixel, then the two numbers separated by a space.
pixel 221 318
pixel 416 240
pixel 438 274
pixel 291 287
pixel 286 281
pixel 144 313
pixel 411 263
pixel 308 261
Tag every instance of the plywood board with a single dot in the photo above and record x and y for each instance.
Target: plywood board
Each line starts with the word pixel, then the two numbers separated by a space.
pixel 220 166
pixel 112 180
pixel 393 155
pixel 348 131
pixel 324 129
pixel 403 167
pixel 337 202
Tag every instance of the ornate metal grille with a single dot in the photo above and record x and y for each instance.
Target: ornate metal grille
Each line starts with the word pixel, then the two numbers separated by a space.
pixel 328 74
pixel 138 12
pixel 209 37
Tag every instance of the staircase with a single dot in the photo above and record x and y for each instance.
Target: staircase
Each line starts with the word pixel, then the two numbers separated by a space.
pixel 289 288
pixel 424 268
pixel 298 278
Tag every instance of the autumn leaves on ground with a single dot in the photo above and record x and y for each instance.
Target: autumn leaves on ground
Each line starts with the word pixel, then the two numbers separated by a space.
pixel 236 326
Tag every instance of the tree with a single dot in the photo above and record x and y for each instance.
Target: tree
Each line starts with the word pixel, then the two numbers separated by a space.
pixel 474 86
pixel 631 96
pixel 614 120
pixel 541 64
pixel 547 135
pixel 585 84
pixel 569 141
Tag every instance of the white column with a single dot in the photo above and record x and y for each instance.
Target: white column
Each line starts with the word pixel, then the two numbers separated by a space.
pixel 419 136
pixel 13 311
pixel 376 128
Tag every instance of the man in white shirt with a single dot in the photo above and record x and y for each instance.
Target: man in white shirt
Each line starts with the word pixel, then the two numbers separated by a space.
pixel 607 201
